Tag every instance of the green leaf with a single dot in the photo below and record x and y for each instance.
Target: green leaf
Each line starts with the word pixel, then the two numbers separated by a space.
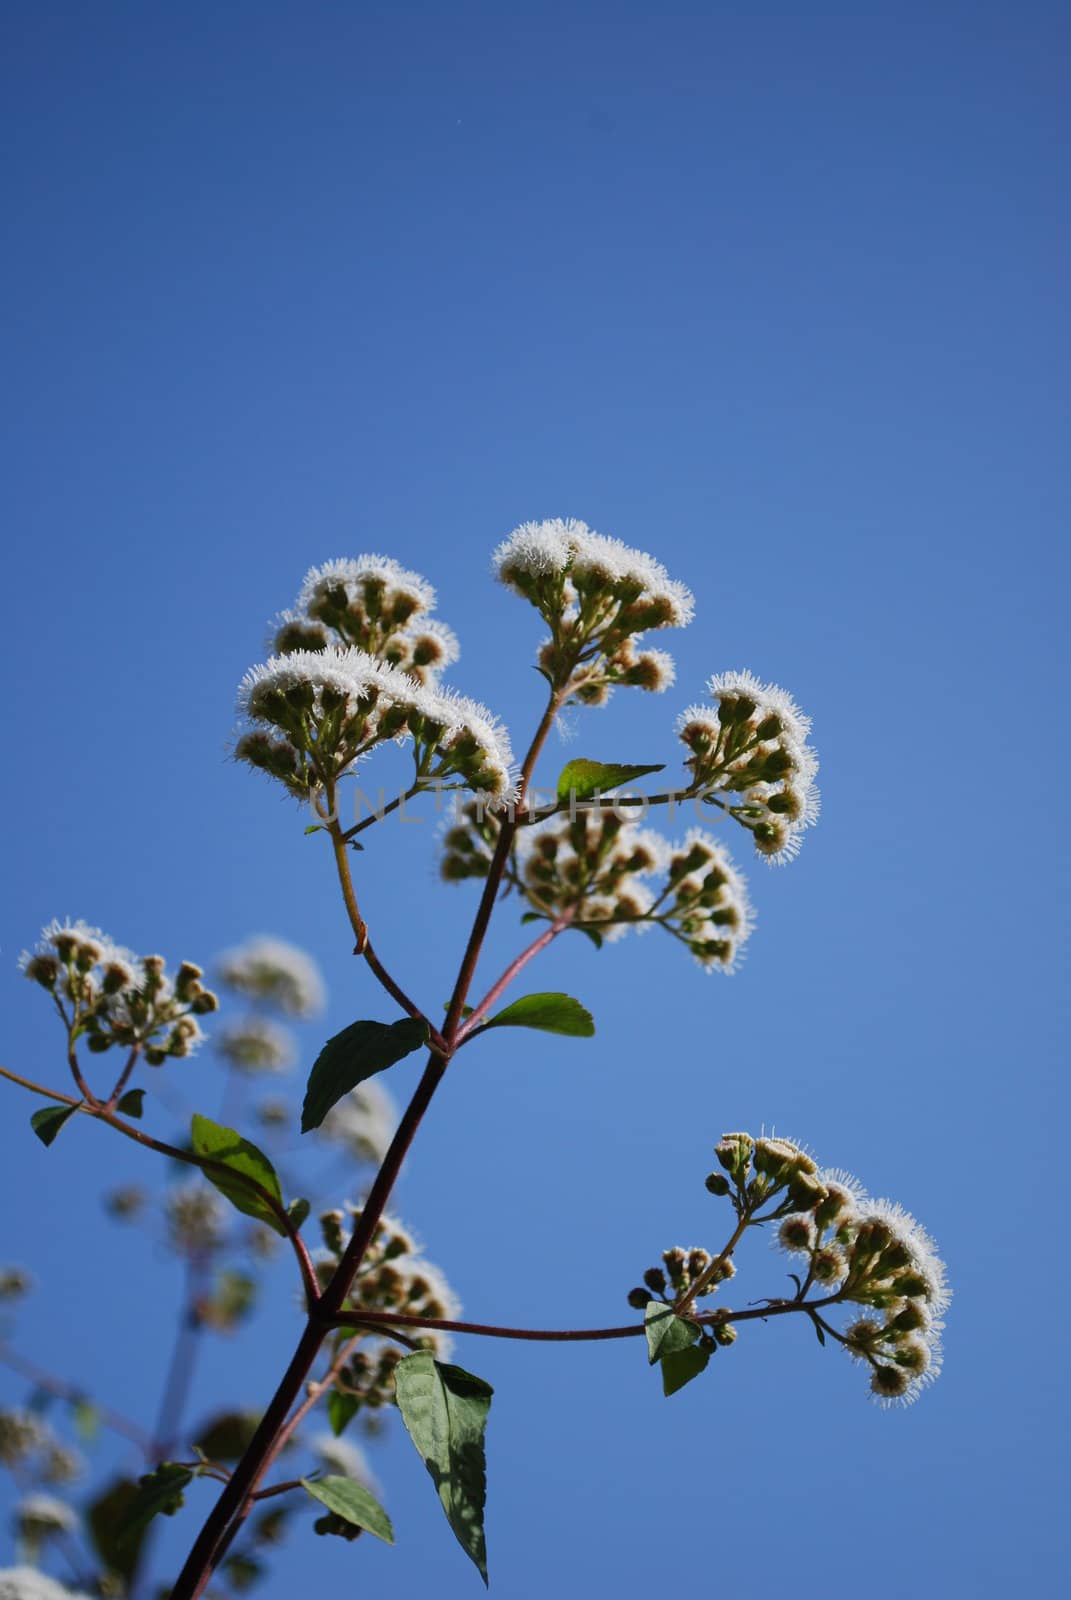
pixel 159 1493
pixel 666 1332
pixel 227 1436
pixel 580 780
pixel 132 1103
pixel 341 1409
pixel 352 1502
pixel 353 1055
pixel 213 1142
pixel 552 1013
pixel 119 1549
pixel 593 934
pixel 445 1411
pixel 681 1366
pixel 298 1211
pixel 47 1122
pixel 86 1419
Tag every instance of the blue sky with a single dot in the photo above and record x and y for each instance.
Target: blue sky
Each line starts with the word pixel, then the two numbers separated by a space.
pixel 777 293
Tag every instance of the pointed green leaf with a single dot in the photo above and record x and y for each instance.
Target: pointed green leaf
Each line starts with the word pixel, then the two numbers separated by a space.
pixel 353 1055
pixel 132 1103
pixel 552 1013
pixel 298 1211
pixel 593 934
pixel 341 1409
pixel 47 1122
pixel 580 780
pixel 352 1502
pixel 213 1142
pixel 666 1332
pixel 681 1366
pixel 445 1411
pixel 159 1493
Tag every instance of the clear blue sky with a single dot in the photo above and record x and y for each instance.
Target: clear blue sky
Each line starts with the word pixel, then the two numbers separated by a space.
pixel 776 292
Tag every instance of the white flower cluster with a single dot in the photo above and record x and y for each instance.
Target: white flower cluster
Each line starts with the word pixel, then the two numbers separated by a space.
pixel 346 1459
pixel 394 1275
pixel 594 866
pixel 256 1045
pixel 38 1516
pixel 363 1121
pixel 749 753
pixel 114 997
pixel 328 708
pixel 599 597
pixel 275 973
pixel 707 903
pixel 195 1217
pixel 875 1254
pixel 375 604
pixel 26 1583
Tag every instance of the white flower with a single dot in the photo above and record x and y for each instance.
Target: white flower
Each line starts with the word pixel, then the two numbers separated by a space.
pixel 257 1045
pixel 42 1514
pixel 919 1245
pixel 355 574
pixel 26 1583
pixel 539 549
pixel 345 1459
pixel 269 969
pixel 364 1120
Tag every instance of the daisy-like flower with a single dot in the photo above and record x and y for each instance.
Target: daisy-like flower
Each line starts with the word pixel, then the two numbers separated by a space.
pixel 749 754
pixel 599 597
pixel 275 973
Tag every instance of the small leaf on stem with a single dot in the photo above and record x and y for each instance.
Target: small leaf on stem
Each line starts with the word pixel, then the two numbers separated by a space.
pixel 47 1122
pixel 666 1332
pixel 681 1366
pixel 552 1013
pixel 213 1142
pixel 352 1502
pixel 159 1493
pixel 580 780
pixel 133 1103
pixel 353 1055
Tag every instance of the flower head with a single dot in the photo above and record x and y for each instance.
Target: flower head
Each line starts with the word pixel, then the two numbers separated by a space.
pixel 275 973
pixel 749 755
pixel 374 604
pixel 600 597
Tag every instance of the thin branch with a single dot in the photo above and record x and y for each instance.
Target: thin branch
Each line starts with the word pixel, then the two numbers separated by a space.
pixel 631 1330
pixel 102 1113
pixel 73 1393
pixel 470 1026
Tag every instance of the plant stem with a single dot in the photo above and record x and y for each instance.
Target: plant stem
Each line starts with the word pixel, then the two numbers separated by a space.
pixel 471 1023
pixel 631 1330
pixel 229 1509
